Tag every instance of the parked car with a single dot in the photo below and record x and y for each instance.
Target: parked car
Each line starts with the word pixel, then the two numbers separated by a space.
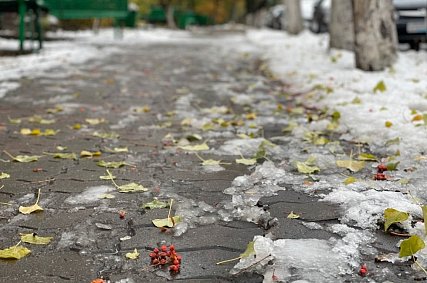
pixel 321 16
pixel 411 22
pixel 410 15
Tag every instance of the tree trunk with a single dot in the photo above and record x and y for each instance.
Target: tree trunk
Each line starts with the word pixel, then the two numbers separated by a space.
pixel 169 16
pixel 341 29
pixel 293 17
pixel 375 34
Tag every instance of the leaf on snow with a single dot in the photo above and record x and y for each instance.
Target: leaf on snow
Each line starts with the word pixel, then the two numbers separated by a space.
pixel 392 215
pixel 391 166
pixel 305 168
pixel 350 180
pixel 411 245
pixel 131 188
pixel 167 222
pixel 197 147
pixel 393 141
pixel 111 164
pixel 15 252
pixel 352 165
pixel 4 175
pixel 32 238
pixel 380 86
pixel 250 250
pixel 388 124
pixel 367 157
pixel 133 255
pixel 155 204
pixel 246 161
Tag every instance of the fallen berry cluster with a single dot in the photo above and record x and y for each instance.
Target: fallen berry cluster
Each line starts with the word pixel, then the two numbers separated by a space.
pixel 166 256
pixel 380 176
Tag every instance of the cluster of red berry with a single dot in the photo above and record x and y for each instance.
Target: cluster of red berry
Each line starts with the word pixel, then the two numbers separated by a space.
pixel 166 256
pixel 380 176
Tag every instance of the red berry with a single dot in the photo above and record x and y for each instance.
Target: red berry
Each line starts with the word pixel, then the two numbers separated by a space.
pixel 163 254
pixel 155 261
pixel 176 262
pixel 363 270
pixel 178 257
pixel 153 255
pixel 174 268
pixel 171 247
pixel 162 261
pixel 381 168
pixel 163 248
pixel 156 250
pixel 380 177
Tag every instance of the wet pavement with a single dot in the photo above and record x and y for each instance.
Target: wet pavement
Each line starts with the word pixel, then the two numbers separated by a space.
pixel 145 93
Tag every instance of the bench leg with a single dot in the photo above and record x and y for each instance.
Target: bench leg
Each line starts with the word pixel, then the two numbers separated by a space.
pixel 38 26
pixel 22 11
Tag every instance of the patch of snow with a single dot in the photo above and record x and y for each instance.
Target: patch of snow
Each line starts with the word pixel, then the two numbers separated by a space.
pixel 365 208
pixel 303 260
pixel 90 195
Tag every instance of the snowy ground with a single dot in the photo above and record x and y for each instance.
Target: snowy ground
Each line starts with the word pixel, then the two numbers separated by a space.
pixel 389 124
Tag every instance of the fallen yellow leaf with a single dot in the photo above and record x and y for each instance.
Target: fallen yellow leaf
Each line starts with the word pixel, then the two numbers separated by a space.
pixel 133 255
pixel 15 252
pixel 32 238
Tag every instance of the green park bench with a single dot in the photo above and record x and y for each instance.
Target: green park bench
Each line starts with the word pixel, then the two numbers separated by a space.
pixel 183 18
pixel 22 7
pixel 64 10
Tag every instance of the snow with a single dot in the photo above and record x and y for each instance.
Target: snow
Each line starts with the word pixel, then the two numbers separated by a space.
pixel 306 64
pixel 304 61
pixel 304 260
pixel 81 47
pixel 91 194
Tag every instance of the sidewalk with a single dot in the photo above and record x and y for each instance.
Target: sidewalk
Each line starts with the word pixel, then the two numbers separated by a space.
pixel 159 100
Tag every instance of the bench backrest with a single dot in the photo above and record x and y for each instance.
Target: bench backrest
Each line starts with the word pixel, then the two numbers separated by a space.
pixel 85 9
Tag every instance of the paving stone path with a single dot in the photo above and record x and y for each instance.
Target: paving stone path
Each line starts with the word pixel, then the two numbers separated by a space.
pixel 136 91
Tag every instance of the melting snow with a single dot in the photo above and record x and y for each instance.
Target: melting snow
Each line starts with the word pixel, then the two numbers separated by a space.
pixel 90 195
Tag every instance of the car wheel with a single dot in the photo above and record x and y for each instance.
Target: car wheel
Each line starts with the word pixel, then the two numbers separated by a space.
pixel 314 26
pixel 414 45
